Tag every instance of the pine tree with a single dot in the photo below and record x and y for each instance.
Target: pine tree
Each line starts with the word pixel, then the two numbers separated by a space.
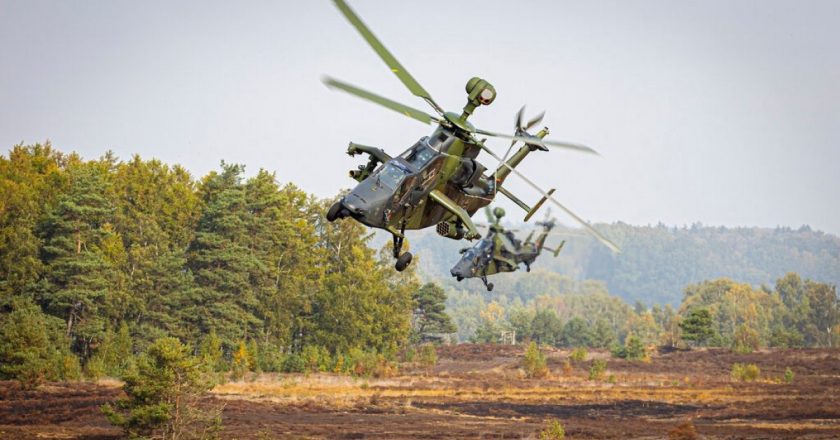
pixel 79 281
pixel 430 316
pixel 222 263
pixel 697 327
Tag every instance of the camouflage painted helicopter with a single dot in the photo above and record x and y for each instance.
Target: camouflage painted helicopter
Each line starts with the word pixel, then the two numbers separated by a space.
pixel 438 180
pixel 501 251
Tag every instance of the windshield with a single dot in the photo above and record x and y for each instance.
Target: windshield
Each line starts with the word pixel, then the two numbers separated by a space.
pixel 390 176
pixel 420 156
pixel 480 248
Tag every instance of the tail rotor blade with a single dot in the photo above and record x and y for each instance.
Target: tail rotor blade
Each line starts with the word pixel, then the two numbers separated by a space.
pixel 538 141
pixel 534 121
pixel 604 240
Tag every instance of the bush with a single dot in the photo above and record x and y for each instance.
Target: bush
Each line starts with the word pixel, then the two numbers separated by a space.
pixel 162 394
pixel 633 349
pixel 293 363
pixel 567 368
pixel 597 369
pixel 241 362
pixel 578 354
pixel 316 358
pixel 745 372
pixel 33 346
pixel 366 364
pixel 534 362
pixel 553 431
pixel 428 355
pixel 788 378
pixel 684 431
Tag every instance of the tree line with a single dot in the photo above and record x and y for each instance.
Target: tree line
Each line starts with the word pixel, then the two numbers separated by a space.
pixel 657 262
pixel 714 313
pixel 99 258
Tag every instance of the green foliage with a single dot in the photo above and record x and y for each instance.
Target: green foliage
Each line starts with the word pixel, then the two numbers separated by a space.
pixel 553 431
pixel 316 358
pixel 369 364
pixel 578 354
pixel 546 327
pixel 745 372
pixel 597 369
pixel 576 333
pixel 633 349
pixel 697 326
pixel 162 393
pixel 241 362
pixel 427 355
pixel 33 348
pixel 123 253
pixel 534 362
pixel 788 377
pixel 429 318
pixel 293 363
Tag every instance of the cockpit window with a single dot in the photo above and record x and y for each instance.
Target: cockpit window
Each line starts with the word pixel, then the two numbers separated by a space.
pixel 390 176
pixel 420 155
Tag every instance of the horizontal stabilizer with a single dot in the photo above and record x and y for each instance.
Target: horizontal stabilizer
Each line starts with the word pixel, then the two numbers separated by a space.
pixel 556 251
pixel 539 204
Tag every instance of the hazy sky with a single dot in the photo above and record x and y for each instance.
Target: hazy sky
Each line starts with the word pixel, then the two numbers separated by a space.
pixel 722 112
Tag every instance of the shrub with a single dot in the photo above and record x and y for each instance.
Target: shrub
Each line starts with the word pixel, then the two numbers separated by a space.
pixel 553 431
pixel 33 346
pixel 293 363
pixel 683 431
pixel 240 364
pixel 162 394
pixel 578 354
pixel 597 369
pixel 428 355
pixel 367 364
pixel 612 379
pixel 788 378
pixel 535 362
pixel 316 358
pixel 409 353
pixel 633 349
pixel 567 368
pixel 745 372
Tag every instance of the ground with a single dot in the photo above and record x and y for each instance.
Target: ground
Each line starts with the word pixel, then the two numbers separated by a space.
pixel 480 392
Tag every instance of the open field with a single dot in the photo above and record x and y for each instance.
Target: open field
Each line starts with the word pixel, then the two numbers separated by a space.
pixel 480 392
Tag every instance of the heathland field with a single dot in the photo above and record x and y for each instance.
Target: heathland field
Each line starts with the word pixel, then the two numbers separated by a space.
pixel 481 391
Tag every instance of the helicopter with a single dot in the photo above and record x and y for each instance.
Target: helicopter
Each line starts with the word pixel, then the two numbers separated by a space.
pixel 437 181
pixel 500 251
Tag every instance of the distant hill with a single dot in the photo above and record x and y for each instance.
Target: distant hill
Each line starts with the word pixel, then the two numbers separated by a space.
pixel 656 262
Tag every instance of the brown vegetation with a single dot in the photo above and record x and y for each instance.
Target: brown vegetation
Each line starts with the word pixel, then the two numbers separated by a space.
pixel 478 391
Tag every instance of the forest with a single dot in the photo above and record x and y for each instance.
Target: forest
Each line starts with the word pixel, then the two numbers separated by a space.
pixel 100 258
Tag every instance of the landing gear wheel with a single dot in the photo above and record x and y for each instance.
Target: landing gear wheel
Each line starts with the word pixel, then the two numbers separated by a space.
pixel 459 278
pixel 489 287
pixel 403 261
pixel 336 212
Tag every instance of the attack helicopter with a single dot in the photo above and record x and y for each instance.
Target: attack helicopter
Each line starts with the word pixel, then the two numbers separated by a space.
pixel 437 181
pixel 501 251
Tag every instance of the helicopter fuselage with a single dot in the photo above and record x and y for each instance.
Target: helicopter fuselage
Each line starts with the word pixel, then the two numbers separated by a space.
pixel 398 194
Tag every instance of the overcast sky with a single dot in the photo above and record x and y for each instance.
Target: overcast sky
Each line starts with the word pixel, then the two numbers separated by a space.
pixel 720 112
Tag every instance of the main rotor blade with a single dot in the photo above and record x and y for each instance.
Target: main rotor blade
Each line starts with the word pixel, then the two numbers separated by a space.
pixel 538 141
pixel 518 123
pixel 386 55
pixel 604 240
pixel 393 105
